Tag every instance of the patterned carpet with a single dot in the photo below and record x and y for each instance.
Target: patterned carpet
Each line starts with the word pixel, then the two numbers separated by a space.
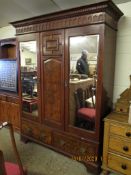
pixel 40 160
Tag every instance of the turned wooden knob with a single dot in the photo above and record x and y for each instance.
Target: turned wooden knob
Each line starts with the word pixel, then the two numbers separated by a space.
pixel 125 148
pixel 123 166
pixel 42 136
pixel 62 142
pixel 128 134
pixel 30 131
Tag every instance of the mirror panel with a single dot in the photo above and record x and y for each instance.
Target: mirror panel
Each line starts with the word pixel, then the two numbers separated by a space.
pixel 28 62
pixel 83 81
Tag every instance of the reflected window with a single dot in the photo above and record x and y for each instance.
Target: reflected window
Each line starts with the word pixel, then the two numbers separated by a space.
pixel 83 81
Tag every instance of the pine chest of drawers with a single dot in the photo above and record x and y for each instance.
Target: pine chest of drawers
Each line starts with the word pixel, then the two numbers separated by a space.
pixel 117 144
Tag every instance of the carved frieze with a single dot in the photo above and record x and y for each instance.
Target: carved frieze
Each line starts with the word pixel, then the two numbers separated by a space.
pixel 69 22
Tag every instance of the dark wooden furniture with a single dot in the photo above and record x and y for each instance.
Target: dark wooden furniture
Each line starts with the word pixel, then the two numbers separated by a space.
pixel 52 34
pixel 9 101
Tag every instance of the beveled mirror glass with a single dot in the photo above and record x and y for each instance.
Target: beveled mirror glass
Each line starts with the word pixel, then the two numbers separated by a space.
pixel 83 81
pixel 28 62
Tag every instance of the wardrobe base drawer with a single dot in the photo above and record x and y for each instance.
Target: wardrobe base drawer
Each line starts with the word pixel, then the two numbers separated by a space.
pixel 29 129
pixel 80 150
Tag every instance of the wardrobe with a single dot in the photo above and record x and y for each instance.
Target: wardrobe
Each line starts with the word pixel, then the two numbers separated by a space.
pixel 49 47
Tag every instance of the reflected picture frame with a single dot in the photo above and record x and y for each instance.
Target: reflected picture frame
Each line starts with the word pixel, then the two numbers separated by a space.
pixel 28 61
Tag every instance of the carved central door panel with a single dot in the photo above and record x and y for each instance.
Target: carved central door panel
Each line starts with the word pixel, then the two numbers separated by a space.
pixel 52 43
pixel 52 71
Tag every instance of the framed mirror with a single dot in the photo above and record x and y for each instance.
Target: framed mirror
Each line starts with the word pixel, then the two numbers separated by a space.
pixel 83 81
pixel 28 66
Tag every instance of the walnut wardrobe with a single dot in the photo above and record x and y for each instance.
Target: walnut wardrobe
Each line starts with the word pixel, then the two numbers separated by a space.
pixel 49 47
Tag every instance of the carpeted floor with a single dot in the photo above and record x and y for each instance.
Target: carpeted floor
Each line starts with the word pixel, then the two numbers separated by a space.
pixel 40 160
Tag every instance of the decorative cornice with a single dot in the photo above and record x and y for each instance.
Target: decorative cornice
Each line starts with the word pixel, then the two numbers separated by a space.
pixel 63 23
pixel 90 14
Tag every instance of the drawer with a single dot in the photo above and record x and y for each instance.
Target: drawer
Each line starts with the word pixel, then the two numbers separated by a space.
pixel 120 130
pixel 30 130
pixel 74 146
pixel 122 107
pixel 45 135
pixel 12 99
pixel 119 145
pixel 3 97
pixel 38 132
pixel 119 163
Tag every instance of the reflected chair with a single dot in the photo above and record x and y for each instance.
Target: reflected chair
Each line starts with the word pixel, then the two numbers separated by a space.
pixel 9 168
pixel 90 96
pixel 85 115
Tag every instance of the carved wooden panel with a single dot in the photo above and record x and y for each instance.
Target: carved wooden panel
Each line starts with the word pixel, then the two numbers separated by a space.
pixel 46 135
pixel 52 43
pixel 73 146
pixel 10 112
pixel 30 130
pixel 36 131
pixel 67 23
pixel 3 109
pixel 53 91
pixel 85 15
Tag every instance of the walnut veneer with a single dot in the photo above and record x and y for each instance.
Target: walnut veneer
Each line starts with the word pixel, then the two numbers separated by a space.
pixel 52 32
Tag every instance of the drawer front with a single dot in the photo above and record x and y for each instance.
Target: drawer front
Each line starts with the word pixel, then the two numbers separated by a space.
pixel 38 132
pixel 122 146
pixel 30 130
pixel 122 107
pixel 120 164
pixel 120 130
pixel 3 97
pixel 45 135
pixel 12 99
pixel 74 146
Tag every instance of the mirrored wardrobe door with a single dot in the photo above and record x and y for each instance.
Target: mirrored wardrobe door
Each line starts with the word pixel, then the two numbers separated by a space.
pixel 29 77
pixel 83 56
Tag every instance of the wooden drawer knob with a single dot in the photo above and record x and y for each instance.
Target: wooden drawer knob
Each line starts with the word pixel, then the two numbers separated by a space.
pixel 128 134
pixel 30 131
pixel 125 148
pixel 43 136
pixel 82 150
pixel 62 142
pixel 123 166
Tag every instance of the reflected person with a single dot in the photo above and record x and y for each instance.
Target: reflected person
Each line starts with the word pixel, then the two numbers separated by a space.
pixel 82 63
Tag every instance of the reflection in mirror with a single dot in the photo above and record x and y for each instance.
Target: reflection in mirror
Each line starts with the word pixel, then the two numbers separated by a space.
pixel 83 78
pixel 28 60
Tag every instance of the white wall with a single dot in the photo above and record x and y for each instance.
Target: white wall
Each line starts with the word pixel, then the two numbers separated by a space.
pixel 27 54
pixel 123 49
pixel 7 32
